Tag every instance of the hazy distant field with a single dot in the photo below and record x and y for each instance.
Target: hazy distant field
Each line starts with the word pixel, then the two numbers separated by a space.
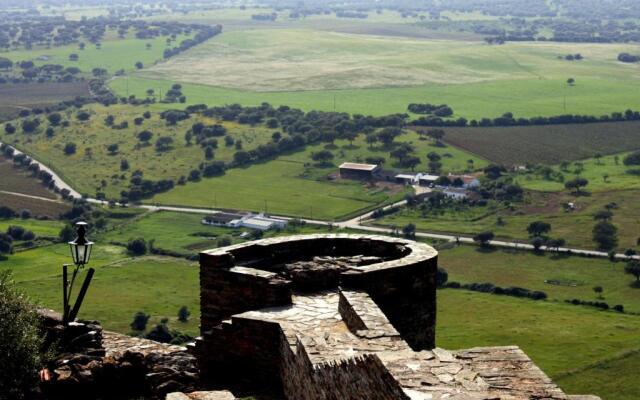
pixel 14 98
pixel 371 74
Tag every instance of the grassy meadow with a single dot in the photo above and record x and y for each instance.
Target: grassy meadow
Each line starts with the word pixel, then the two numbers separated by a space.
pixel 113 55
pixel 605 174
pixel 86 173
pixel 575 276
pixel 574 226
pixel 378 74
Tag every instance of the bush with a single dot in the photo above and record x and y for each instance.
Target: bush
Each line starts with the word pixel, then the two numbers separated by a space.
pixel 137 247
pixel 70 148
pixel 20 342
pixel 183 314
pixel 6 212
pixel 139 322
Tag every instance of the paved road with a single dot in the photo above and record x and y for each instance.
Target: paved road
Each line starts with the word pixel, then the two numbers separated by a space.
pixel 358 223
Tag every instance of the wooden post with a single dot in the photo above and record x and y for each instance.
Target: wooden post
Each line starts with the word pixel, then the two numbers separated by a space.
pixel 83 292
pixel 65 285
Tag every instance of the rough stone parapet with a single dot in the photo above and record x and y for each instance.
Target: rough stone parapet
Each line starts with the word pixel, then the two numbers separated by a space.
pixel 327 317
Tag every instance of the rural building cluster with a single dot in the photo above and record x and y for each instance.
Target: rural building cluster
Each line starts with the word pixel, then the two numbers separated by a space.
pixel 456 187
pixel 247 220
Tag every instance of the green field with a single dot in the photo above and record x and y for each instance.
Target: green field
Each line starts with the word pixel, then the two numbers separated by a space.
pixel 50 228
pixel 576 275
pixel 372 74
pixel 85 173
pixel 575 226
pixel 546 144
pixel 292 184
pixel 278 188
pixel 594 170
pixel 187 235
pixel 115 54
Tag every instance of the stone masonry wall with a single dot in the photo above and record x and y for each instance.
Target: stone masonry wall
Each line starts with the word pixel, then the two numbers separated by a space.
pixel 355 378
pixel 228 291
pixel 407 296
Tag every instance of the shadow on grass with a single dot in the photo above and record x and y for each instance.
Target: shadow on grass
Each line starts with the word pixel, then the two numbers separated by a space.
pixel 560 256
pixel 486 249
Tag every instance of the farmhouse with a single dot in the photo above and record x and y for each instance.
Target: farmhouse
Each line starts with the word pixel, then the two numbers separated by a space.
pixel 416 179
pixel 427 180
pixel 250 221
pixel 406 179
pixel 223 219
pixel 263 223
pixel 358 171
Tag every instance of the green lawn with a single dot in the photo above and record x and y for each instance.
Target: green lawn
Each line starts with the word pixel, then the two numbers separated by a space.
pixel 50 228
pixel 610 378
pixel 372 74
pixel 181 232
pixel 575 226
pixel 279 187
pixel 578 275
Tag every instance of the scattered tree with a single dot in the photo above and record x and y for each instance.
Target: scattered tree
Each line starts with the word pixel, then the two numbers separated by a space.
pixel 140 320
pixel 484 238
pixel 605 234
pixel 183 314
pixel 137 247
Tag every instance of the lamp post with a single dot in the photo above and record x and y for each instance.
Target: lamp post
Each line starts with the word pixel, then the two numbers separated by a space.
pixel 81 253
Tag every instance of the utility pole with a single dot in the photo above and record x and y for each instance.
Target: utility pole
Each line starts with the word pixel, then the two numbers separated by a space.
pixel 266 210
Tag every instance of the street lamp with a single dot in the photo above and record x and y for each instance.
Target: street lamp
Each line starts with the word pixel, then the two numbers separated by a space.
pixel 80 246
pixel 80 252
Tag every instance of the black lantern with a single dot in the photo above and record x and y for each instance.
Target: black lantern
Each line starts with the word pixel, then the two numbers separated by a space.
pixel 81 252
pixel 81 246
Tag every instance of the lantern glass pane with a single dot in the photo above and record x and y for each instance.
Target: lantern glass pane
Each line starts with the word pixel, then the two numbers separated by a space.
pixel 72 247
pixel 88 254
pixel 82 249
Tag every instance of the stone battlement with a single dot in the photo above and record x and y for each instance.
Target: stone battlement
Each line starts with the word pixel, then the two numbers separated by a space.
pixel 319 317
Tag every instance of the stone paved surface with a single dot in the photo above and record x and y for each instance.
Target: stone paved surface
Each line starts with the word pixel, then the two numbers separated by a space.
pixel 117 344
pixel 315 320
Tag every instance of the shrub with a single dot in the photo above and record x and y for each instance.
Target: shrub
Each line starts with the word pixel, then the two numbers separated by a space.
pixel 137 247
pixel 139 322
pixel 20 342
pixel 70 148
pixel 183 314
pixel 16 232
